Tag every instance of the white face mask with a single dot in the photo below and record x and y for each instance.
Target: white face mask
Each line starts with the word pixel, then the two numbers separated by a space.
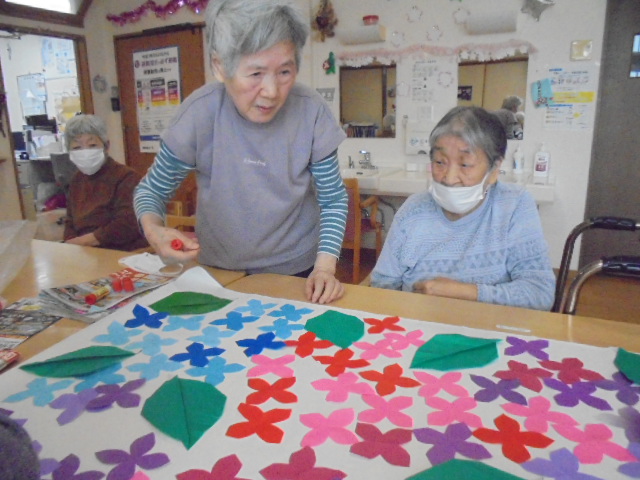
pixel 459 200
pixel 88 160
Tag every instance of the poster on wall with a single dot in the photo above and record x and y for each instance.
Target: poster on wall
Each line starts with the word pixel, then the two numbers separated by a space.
pixel 569 97
pixel 33 94
pixel 157 79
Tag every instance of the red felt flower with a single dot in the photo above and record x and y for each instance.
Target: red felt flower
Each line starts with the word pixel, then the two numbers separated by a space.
pixel 389 379
pixel 514 442
pixel 259 423
pixel 307 343
pixel 340 362
pixel 388 323
pixel 528 377
pixel 277 391
pixel 570 370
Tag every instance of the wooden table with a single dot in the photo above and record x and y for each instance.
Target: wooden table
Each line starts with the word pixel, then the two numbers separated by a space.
pixel 54 264
pixel 587 330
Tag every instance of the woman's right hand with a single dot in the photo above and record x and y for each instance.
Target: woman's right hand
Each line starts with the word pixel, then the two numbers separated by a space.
pixel 160 238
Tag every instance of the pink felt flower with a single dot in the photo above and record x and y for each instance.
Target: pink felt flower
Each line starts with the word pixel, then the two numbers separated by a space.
pixel 334 427
pixel 340 388
pixel 400 341
pixel 433 384
pixel 539 415
pixel 277 366
pixel 594 443
pixel 390 409
pixel 374 350
pixel 453 412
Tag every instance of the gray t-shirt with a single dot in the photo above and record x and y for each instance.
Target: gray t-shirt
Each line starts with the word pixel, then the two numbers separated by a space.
pixel 257 209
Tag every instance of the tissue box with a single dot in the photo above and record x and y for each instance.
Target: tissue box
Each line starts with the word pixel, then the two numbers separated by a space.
pixel 15 248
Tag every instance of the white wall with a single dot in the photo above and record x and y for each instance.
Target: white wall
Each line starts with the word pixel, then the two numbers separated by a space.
pixel 551 37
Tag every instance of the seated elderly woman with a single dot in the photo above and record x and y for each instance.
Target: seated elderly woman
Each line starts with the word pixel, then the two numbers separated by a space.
pixel 470 237
pixel 100 198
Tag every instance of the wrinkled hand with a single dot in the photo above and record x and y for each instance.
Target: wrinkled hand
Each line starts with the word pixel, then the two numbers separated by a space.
pixel 323 287
pixel 446 287
pixel 160 238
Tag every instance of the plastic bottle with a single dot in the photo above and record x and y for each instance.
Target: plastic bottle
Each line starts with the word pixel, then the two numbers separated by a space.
pixel 518 166
pixel 541 165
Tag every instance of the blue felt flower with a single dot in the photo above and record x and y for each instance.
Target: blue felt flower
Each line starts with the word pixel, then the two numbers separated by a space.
pixel 291 313
pixel 146 318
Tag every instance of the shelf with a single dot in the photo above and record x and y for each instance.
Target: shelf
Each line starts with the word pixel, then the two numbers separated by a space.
pixel 363 34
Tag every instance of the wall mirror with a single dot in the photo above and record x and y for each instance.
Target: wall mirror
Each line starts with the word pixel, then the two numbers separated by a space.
pixel 487 84
pixel 367 100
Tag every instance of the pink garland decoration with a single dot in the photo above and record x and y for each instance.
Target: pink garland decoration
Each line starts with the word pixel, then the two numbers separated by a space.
pixel 196 6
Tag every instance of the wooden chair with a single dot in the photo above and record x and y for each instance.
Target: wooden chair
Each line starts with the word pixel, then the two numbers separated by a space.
pixel 181 222
pixel 357 225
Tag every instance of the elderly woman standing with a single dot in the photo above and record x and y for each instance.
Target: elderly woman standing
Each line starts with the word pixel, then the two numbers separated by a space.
pixel 470 237
pixel 258 143
pixel 100 198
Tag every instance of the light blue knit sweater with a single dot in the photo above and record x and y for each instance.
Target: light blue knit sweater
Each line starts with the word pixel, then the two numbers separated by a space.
pixel 500 247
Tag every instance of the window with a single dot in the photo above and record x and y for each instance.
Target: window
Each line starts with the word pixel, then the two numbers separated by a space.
pixel 63 6
pixel 635 57
pixel 64 12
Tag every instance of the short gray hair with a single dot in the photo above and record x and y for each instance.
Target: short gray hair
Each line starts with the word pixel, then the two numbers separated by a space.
pixel 512 102
pixel 476 127
pixel 235 28
pixel 85 124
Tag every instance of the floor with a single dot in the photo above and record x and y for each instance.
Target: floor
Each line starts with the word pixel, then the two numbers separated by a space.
pixel 612 298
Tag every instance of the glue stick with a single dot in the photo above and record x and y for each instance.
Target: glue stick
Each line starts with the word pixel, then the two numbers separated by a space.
pixel 97 294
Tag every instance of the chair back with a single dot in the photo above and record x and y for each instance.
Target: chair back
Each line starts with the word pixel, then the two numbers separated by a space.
pixel 181 223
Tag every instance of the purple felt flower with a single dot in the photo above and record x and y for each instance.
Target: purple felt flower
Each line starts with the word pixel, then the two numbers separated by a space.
pixel 492 390
pixel 631 423
pixel 572 394
pixel 562 465
pixel 73 404
pixel 47 465
pixel 68 468
pixel 452 441
pixel 632 469
pixel 122 395
pixel 532 347
pixel 137 456
pixel 627 392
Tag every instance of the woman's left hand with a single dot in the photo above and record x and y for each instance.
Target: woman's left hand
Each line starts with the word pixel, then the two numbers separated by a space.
pixel 323 287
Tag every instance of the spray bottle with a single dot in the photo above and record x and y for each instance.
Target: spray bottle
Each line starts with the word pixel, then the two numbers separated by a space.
pixel 518 166
pixel 541 166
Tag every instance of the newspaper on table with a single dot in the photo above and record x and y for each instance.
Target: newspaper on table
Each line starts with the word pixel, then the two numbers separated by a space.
pixel 69 300
pixel 21 320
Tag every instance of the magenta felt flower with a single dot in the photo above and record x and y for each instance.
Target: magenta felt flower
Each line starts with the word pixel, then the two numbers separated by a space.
pixel 226 468
pixel 387 445
pixel 301 466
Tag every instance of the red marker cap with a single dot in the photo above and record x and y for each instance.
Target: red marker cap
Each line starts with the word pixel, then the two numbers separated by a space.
pixel 177 244
pixel 127 284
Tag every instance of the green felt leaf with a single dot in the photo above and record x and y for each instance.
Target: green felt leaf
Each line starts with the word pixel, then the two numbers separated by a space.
pixel 339 328
pixel 467 469
pixel 184 409
pixel 80 362
pixel 629 364
pixel 453 352
pixel 190 303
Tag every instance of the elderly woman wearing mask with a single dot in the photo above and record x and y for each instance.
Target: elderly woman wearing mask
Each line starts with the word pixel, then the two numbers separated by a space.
pixel 100 198
pixel 470 237
pixel 264 149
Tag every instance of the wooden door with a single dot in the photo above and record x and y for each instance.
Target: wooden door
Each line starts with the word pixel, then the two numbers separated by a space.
pixel 188 39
